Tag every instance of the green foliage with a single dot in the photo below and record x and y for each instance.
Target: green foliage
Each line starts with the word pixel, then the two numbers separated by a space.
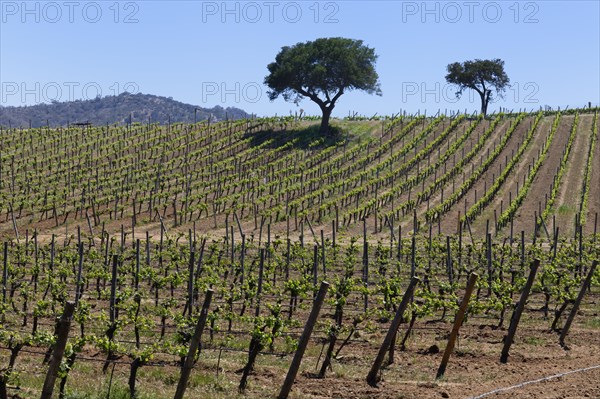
pixel 483 76
pixel 325 67
pixel 435 212
pixel 514 205
pixel 587 176
pixel 323 70
pixel 561 171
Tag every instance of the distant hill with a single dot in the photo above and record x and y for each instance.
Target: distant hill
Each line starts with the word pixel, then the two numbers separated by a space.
pixel 113 109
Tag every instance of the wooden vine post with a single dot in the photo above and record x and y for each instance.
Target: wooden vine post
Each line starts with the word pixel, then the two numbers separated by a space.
pixel 303 342
pixel 514 321
pixel 372 376
pixel 78 287
pixel 190 286
pixel 365 265
pixel 584 286
pixel 5 272
pixel 460 316
pixel 64 324
pixel 194 344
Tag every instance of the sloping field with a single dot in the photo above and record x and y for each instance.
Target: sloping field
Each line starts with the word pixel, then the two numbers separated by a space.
pixel 136 226
pixel 278 174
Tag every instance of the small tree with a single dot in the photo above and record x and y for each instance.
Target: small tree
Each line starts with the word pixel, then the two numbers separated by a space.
pixel 323 70
pixel 480 75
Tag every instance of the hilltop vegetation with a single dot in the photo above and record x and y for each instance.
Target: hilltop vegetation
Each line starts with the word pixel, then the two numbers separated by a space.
pixel 121 109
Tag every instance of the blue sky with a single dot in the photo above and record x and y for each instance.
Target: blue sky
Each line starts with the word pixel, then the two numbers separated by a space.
pixel 215 53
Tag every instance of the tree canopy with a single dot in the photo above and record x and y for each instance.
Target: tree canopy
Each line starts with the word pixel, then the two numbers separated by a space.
pixel 483 76
pixel 323 70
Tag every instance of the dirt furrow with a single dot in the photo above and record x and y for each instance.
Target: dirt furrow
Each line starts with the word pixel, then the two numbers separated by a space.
pixel 449 222
pixel 592 219
pixel 567 202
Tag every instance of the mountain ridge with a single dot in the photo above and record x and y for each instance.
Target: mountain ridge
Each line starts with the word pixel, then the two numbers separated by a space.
pixel 120 109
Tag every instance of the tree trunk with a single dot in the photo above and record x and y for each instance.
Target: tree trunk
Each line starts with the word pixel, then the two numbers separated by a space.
pixel 324 129
pixel 485 100
pixel 484 103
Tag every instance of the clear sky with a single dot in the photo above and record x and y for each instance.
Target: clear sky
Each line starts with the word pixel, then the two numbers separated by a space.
pixel 215 53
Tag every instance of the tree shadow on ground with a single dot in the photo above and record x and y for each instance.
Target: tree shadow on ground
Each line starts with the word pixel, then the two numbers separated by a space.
pixel 303 138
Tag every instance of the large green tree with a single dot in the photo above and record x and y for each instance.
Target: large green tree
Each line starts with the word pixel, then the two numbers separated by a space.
pixel 323 70
pixel 483 76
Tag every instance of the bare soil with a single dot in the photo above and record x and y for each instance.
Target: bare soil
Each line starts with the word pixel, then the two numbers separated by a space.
pixel 594 199
pixel 449 222
pixel 567 203
pixel 474 368
pixel 540 189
